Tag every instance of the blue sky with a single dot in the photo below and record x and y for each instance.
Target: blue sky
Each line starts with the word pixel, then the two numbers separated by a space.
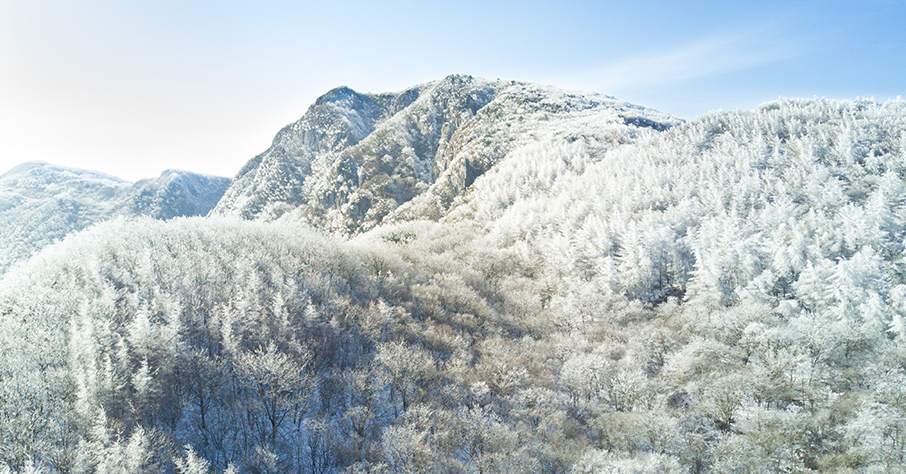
pixel 135 87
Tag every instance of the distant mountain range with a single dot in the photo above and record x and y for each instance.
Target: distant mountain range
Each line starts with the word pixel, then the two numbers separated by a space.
pixel 41 203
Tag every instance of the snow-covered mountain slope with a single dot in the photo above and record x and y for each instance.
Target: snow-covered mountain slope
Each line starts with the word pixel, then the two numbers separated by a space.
pixel 41 203
pixel 174 194
pixel 356 160
pixel 729 206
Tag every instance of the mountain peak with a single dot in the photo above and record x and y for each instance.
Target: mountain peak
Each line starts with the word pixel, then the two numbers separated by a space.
pixel 354 160
pixel 338 94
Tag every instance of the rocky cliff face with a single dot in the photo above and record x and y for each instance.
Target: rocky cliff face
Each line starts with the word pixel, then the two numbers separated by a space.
pixel 354 161
pixel 41 203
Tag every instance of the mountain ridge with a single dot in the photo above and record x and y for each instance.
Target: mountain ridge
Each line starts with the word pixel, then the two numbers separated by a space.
pixel 355 159
pixel 41 203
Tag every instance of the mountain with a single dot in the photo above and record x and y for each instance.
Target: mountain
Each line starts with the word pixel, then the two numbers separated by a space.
pixel 174 194
pixel 354 161
pixel 41 203
pixel 599 289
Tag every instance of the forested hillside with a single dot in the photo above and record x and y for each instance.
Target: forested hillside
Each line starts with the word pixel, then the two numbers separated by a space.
pixel 610 293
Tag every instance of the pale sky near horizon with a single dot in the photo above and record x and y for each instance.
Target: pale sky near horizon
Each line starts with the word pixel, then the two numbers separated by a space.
pixel 132 88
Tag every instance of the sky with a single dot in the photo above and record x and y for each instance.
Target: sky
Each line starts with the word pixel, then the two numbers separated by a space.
pixel 132 88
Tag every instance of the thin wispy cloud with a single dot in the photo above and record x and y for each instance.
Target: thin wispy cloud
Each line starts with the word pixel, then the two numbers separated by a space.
pixel 695 60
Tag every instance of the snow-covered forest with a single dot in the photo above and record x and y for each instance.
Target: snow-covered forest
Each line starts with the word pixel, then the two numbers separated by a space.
pixel 604 293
